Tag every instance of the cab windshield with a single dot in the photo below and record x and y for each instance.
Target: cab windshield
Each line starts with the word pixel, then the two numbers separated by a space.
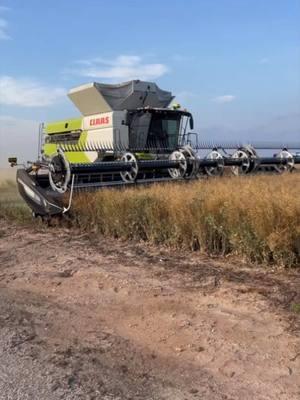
pixel 164 130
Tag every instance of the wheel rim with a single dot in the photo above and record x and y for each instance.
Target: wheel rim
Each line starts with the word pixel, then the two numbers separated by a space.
pixel 245 166
pixel 219 168
pixel 129 176
pixel 192 161
pixel 287 166
pixel 179 172
pixel 59 172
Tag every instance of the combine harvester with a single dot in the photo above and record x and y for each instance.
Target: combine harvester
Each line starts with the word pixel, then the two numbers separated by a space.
pixel 128 134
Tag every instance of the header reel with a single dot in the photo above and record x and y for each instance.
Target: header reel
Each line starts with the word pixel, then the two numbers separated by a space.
pixel 45 185
pixel 181 164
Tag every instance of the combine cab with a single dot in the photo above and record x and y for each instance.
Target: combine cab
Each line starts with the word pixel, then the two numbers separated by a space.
pixel 133 115
pixel 128 134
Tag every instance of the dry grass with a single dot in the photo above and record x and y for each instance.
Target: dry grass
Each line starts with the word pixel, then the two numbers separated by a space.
pixel 257 218
pixel 11 205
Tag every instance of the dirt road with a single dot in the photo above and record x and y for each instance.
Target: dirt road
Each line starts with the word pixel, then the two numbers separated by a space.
pixel 92 318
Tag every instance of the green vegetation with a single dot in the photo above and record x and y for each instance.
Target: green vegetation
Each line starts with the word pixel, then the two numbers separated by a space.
pixel 295 307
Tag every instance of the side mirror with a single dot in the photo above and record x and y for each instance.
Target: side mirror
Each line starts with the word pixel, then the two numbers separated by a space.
pixel 13 161
pixel 191 122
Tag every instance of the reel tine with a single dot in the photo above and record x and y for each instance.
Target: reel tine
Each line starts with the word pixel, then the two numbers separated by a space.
pixel 97 146
pixel 119 147
pixel 102 147
pixel 67 147
pixel 86 146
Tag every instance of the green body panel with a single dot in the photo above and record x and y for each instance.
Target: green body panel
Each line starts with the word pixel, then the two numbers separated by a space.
pixel 49 149
pixel 63 126
pixel 145 156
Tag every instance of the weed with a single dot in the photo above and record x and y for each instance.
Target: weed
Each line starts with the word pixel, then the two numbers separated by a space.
pixel 295 307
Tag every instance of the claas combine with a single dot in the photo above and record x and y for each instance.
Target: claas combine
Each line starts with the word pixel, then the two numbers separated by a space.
pixel 129 134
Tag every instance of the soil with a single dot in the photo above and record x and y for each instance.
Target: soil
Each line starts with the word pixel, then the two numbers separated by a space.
pixel 86 317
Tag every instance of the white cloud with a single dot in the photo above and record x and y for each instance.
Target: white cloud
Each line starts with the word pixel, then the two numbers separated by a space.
pixel 123 67
pixel 3 30
pixel 264 60
pixel 186 97
pixel 27 93
pixel 6 118
pixel 227 98
pixel 3 25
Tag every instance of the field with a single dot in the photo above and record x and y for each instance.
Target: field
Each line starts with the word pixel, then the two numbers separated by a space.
pixel 256 218
pixel 11 205
pixel 181 292
pixel 7 174
pixel 8 190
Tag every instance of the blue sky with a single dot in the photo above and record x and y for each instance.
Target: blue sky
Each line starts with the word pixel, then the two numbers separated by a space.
pixel 234 63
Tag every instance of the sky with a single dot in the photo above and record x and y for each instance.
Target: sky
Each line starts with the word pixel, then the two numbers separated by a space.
pixel 234 63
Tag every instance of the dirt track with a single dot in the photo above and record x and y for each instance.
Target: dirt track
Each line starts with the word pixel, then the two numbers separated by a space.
pixel 102 319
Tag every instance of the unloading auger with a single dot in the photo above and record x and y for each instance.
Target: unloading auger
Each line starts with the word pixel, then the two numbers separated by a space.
pixel 128 135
